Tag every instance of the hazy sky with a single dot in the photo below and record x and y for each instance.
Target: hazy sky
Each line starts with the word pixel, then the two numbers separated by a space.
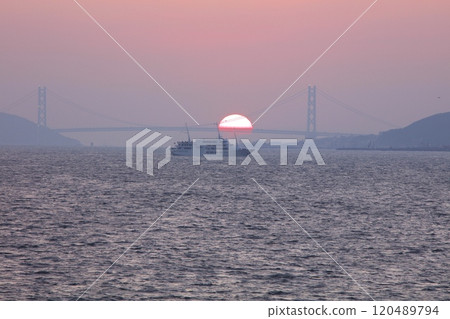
pixel 222 57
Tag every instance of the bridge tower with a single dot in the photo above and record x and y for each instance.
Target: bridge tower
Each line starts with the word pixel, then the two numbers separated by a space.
pixel 311 124
pixel 42 107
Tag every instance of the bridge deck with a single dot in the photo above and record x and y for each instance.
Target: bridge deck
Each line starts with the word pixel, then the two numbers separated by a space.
pixel 192 129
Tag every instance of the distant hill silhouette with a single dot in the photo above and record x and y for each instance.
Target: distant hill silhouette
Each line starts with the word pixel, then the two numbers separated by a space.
pixel 15 130
pixel 430 132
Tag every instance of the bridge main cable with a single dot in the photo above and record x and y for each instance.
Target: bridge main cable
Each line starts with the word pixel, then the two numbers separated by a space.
pixel 135 61
pixel 314 62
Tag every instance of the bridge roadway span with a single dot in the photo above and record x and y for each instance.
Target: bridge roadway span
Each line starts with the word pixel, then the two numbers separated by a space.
pixel 191 129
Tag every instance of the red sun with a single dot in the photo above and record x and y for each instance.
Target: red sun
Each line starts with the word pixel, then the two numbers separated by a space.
pixel 235 122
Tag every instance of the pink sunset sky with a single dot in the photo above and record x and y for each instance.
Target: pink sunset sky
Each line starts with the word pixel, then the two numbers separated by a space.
pixel 222 57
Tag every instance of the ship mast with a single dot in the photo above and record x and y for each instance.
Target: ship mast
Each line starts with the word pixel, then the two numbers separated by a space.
pixel 187 130
pixel 218 131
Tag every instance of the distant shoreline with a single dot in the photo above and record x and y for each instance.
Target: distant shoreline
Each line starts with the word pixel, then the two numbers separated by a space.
pixel 410 149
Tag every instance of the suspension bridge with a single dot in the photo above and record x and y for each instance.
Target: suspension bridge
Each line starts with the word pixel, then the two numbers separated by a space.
pixel 311 115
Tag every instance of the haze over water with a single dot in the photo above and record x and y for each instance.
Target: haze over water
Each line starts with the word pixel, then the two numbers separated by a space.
pixel 222 57
pixel 67 214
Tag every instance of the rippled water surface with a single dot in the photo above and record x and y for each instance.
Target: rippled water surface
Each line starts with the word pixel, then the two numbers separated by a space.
pixel 68 214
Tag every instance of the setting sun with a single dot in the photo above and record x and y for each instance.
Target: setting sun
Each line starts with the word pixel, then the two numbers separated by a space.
pixel 235 122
